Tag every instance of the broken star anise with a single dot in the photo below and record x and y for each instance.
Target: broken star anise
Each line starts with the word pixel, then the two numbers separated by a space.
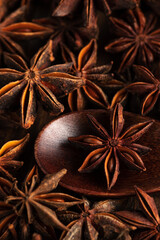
pixel 112 149
pixel 40 80
pixel 93 224
pixel 148 85
pixel 85 67
pixel 148 220
pixel 139 38
pixel 8 153
pixel 35 204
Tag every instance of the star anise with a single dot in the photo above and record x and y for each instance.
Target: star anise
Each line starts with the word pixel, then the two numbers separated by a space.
pixel 149 84
pixel 139 38
pixel 8 153
pixel 35 204
pixel 111 149
pixel 85 67
pixel 73 30
pixel 148 220
pixel 95 223
pixel 39 80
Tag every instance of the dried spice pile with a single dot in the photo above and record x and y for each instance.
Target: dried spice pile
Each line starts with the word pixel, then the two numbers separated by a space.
pixel 79 119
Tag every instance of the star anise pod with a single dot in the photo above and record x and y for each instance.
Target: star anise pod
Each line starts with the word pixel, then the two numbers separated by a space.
pixel 40 80
pixel 73 30
pixel 8 153
pixel 148 220
pixel 93 223
pixel 139 38
pixel 35 204
pixel 84 66
pixel 149 84
pixel 112 149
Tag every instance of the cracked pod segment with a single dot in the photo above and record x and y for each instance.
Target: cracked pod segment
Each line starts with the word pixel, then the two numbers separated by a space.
pixel 53 151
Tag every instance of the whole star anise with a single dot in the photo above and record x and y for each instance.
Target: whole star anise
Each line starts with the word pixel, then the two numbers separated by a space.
pixel 139 38
pixel 112 149
pixel 148 220
pixel 34 204
pixel 149 85
pixel 40 80
pixel 8 153
pixel 85 67
pixel 95 223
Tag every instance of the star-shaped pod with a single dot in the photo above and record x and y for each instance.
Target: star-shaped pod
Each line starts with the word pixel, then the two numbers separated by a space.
pixel 114 148
pixel 39 81
pixel 139 38
pixel 34 204
pixel 148 85
pixel 85 67
pixel 148 220
pixel 93 223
